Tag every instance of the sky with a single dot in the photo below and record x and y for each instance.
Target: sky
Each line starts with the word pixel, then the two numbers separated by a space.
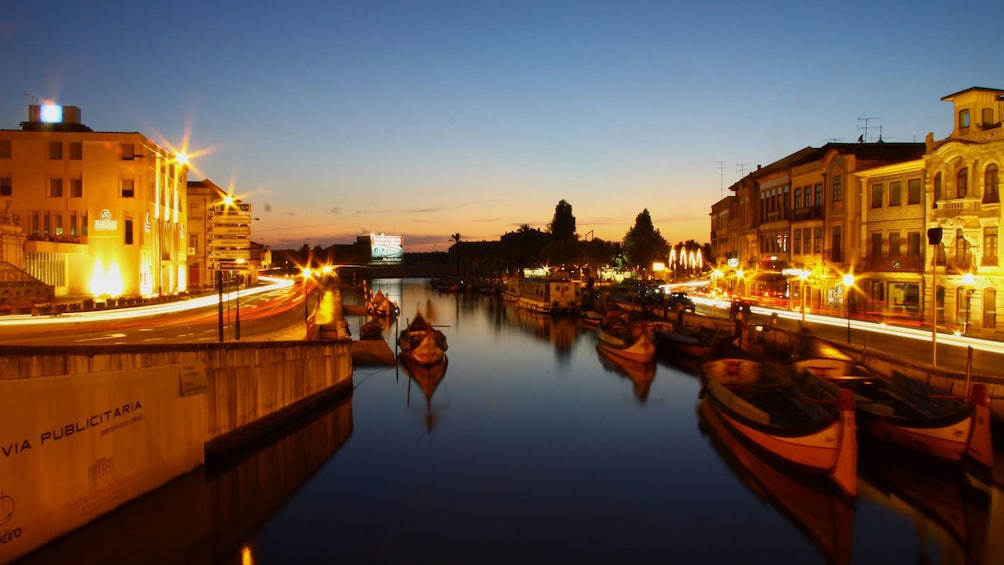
pixel 426 118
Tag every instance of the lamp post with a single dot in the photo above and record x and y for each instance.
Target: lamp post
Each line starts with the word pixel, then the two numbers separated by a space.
pixel 848 283
pixel 306 295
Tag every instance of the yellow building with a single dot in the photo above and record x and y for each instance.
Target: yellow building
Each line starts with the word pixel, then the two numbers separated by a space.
pixel 103 212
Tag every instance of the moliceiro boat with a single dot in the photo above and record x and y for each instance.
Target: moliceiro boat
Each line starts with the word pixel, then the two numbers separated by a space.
pixel 627 340
pixel 796 421
pixel 421 343
pixel 903 411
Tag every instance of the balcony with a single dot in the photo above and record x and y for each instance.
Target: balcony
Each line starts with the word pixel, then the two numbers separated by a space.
pixel 898 264
pixel 986 261
pixel 802 214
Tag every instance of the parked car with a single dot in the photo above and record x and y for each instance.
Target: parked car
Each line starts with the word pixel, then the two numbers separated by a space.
pixel 675 299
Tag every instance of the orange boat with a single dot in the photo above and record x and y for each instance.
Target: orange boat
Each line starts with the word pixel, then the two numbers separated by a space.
pixel 799 422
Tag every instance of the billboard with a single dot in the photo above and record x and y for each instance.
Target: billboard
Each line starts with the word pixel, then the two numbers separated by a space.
pixel 386 248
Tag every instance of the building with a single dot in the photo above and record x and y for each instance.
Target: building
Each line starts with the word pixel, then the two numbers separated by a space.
pixel 103 213
pixel 219 238
pixel 915 225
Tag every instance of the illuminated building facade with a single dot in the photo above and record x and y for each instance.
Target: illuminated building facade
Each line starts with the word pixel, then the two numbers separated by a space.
pixel 219 237
pixel 103 213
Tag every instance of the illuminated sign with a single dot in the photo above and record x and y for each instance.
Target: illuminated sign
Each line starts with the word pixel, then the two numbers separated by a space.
pixel 105 222
pixel 52 113
pixel 733 262
pixel 386 248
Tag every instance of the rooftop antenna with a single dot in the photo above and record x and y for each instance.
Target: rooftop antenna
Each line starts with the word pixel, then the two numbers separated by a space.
pixel 721 179
pixel 863 138
pixel 34 99
pixel 741 167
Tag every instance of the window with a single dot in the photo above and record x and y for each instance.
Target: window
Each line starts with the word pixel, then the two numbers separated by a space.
pixel 877 195
pixel 963 119
pixel 83 223
pixel 962 183
pixel 836 244
pixel 913 244
pixel 988 117
pixel 128 190
pixel 46 224
pixel 76 188
pixel 913 191
pixel 938 192
pixel 76 150
pixel 894 244
pixel 990 307
pixel 6 189
pixel 34 223
pixel 895 193
pixel 73 223
pixel 55 188
pixel 876 248
pixel 817 243
pixel 837 188
pixel 991 191
pixel 990 245
pixel 128 152
pixel 819 194
pixel 55 150
pixel 798 197
pixel 193 241
pixel 961 249
pixel 128 231
pixel 4 149
pixel 57 223
pixel 796 242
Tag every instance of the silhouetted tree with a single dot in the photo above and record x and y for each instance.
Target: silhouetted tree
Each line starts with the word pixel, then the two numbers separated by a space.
pixel 643 244
pixel 562 226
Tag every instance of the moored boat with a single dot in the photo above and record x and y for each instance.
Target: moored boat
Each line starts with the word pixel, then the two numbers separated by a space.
pixel 422 342
pixel 627 340
pixel 728 363
pixel 684 340
pixel 798 421
pixel 381 305
pixel 903 411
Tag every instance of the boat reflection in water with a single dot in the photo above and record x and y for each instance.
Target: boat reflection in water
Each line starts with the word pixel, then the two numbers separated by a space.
pixel 948 505
pixel 814 505
pixel 206 515
pixel 641 375
pixel 427 377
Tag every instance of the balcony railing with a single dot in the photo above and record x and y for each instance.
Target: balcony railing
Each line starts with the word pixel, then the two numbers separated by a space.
pixel 900 263
pixel 812 213
pixel 986 261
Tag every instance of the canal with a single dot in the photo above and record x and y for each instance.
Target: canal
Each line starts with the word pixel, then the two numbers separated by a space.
pixel 533 448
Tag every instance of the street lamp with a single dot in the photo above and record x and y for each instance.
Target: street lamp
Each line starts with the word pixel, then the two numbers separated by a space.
pixel 848 283
pixel 306 277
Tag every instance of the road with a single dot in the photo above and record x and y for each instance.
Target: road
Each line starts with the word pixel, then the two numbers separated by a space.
pixel 276 307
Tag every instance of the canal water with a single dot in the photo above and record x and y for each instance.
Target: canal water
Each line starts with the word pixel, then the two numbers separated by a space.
pixel 534 448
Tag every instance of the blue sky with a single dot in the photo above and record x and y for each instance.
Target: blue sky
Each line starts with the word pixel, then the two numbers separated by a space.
pixel 432 118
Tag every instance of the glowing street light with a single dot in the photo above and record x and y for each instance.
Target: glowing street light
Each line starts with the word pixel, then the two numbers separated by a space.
pixel 848 283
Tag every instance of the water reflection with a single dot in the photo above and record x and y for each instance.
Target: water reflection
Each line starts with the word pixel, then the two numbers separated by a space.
pixel 822 513
pixel 204 515
pixel 948 506
pixel 427 377
pixel 641 375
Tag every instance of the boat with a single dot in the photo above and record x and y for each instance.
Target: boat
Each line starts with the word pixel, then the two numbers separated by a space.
pixel 381 305
pixel 795 419
pixel 903 411
pixel 624 339
pixel 428 378
pixel 641 375
pixel 685 340
pixel 822 512
pixel 591 319
pixel 728 363
pixel 373 329
pixel 421 342
pixel 554 295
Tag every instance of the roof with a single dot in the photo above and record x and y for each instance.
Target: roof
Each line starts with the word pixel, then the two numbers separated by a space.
pixel 949 97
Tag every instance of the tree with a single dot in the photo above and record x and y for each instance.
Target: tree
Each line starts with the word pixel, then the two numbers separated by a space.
pixel 562 227
pixel 643 244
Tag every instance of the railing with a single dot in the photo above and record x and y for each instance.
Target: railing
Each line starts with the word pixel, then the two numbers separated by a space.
pixel 812 213
pixel 899 263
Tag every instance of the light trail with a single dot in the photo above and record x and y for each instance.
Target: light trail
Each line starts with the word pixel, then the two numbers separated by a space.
pixel 271 284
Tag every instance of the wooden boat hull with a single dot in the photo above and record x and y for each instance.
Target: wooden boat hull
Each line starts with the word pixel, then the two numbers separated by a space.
pixel 426 352
pixel 829 448
pixel 641 349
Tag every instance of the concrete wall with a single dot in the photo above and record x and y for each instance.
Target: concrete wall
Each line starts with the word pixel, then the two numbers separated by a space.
pixel 84 430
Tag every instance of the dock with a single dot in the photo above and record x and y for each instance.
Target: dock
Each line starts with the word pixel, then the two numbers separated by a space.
pixel 372 353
